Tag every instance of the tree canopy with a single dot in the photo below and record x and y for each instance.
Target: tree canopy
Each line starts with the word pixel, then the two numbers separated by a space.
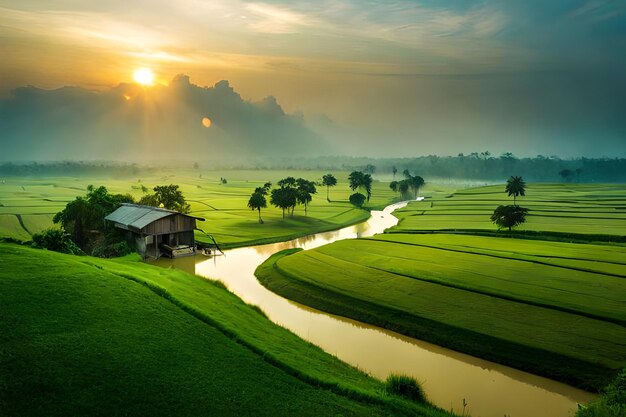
pixel 357 200
pixel 257 200
pixel 167 196
pixel 515 186
pixel 86 214
pixel 509 216
pixel 361 180
pixel 329 180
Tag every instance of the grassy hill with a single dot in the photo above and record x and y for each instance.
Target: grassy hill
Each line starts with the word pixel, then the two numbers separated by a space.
pixel 85 336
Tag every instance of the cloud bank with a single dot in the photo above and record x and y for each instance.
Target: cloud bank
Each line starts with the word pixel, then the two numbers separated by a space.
pixel 132 123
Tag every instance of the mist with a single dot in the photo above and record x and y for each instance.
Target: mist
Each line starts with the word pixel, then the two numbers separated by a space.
pixel 132 123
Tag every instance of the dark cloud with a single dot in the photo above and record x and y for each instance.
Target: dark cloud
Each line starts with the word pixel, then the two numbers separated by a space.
pixel 129 122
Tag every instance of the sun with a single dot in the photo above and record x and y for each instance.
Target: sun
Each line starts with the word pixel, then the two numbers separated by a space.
pixel 144 76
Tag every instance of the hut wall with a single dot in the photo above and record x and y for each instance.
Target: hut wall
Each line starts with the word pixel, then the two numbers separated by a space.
pixel 170 224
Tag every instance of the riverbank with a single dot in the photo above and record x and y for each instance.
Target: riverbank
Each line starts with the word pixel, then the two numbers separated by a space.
pixel 86 336
pixel 531 304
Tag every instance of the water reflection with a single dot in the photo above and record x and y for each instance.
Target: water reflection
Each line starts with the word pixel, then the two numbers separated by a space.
pixel 449 377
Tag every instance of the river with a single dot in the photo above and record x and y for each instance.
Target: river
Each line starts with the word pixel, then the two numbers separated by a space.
pixel 450 379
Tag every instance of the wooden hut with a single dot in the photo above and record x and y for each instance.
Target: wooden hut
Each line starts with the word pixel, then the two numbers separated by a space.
pixel 156 231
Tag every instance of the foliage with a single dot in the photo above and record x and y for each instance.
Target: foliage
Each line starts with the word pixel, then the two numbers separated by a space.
pixel 406 387
pixel 409 182
pixel 357 200
pixel 369 169
pixel 509 216
pixel 566 174
pixel 167 196
pixel 329 180
pixel 257 200
pixel 515 186
pixel 285 197
pixel 85 215
pixel 56 240
pixel 361 180
pixel 304 192
pixel 612 402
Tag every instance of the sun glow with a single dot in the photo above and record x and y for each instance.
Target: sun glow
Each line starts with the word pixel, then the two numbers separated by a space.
pixel 144 76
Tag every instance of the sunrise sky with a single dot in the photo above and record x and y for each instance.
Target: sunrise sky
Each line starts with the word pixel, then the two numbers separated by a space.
pixel 531 77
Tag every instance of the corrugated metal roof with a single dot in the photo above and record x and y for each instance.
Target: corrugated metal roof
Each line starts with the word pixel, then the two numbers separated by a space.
pixel 135 216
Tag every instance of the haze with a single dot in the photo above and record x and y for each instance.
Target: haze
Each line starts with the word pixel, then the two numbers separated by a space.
pixel 376 79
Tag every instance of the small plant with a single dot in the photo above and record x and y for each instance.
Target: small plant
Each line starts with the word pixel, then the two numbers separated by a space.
pixel 406 387
pixel 56 240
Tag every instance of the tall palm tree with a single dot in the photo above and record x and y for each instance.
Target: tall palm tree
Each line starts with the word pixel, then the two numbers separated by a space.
pixel 329 180
pixel 515 186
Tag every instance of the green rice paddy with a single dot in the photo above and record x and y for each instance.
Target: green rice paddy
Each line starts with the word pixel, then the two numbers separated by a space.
pixel 554 308
pixel 224 206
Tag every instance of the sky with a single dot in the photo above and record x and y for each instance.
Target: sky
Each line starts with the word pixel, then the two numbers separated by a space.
pixel 394 78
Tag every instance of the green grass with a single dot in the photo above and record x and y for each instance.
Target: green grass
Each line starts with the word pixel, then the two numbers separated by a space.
pixel 561 208
pixel 224 206
pixel 555 309
pixel 85 336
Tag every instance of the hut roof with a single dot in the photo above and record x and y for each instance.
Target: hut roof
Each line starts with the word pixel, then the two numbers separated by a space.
pixel 135 216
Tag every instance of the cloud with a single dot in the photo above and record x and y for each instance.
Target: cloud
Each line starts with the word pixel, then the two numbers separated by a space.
pixel 128 122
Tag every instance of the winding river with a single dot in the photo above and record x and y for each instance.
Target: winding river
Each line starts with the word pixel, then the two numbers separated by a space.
pixel 452 380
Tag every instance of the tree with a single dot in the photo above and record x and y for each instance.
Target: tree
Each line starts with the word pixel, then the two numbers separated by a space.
pixel 257 202
pixel 394 186
pixel 357 200
pixel 86 214
pixel 578 172
pixel 329 180
pixel 285 197
pixel 413 182
pixel 169 196
pixel 566 174
pixel 358 179
pixel 304 192
pixel 515 186
pixel 416 183
pixel 509 216
pixel 369 169
pixel 394 170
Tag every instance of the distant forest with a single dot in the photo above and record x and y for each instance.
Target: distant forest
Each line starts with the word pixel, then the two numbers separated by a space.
pixel 474 166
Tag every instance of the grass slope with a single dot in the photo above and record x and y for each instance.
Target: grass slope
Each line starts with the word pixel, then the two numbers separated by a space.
pixel 224 206
pixel 500 299
pixel 84 336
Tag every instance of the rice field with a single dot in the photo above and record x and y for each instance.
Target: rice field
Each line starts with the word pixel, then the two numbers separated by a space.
pixel 562 315
pixel 562 208
pixel 27 205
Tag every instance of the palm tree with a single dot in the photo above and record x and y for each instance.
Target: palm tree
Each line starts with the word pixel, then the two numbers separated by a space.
pixel 329 180
pixel 515 186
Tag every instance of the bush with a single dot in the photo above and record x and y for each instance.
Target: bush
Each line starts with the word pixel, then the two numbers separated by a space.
pixel 357 199
pixel 406 387
pixel 56 240
pixel 112 249
pixel 612 403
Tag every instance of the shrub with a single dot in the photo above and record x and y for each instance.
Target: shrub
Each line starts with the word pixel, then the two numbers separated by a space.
pixel 56 240
pixel 357 199
pixel 406 387
pixel 612 403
